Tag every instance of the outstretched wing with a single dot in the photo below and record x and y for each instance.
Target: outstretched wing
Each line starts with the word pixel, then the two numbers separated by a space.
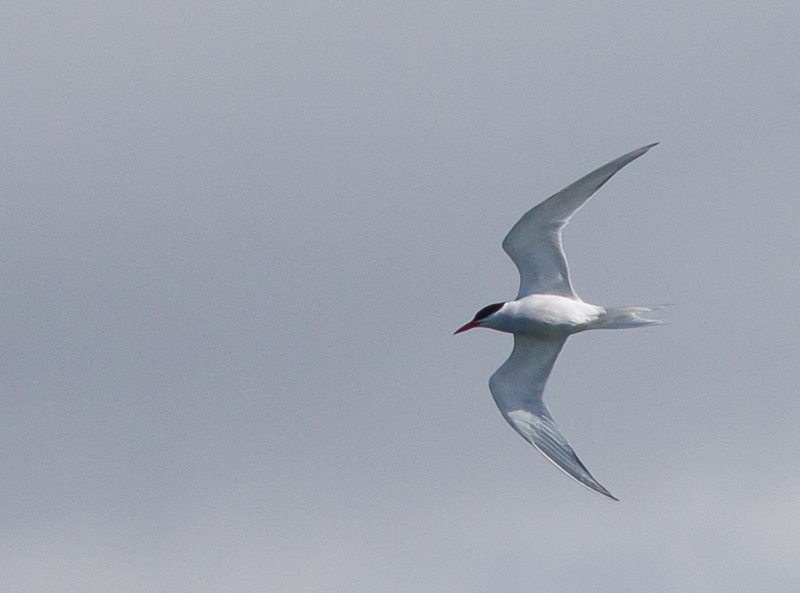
pixel 534 243
pixel 517 388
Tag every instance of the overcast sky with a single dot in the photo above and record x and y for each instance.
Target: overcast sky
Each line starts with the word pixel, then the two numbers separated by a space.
pixel 237 238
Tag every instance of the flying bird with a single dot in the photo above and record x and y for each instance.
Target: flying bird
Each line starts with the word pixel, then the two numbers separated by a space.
pixel 545 313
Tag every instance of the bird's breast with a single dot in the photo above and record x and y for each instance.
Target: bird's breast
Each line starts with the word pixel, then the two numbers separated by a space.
pixel 547 314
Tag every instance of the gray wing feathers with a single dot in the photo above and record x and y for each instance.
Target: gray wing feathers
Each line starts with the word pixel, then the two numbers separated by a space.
pixel 517 388
pixel 534 243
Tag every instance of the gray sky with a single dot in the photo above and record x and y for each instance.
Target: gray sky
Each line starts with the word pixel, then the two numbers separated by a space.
pixel 236 240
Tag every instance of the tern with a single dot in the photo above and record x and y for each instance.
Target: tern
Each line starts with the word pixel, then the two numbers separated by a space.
pixel 545 313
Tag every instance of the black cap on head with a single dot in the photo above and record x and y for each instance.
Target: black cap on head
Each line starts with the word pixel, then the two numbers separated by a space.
pixel 488 310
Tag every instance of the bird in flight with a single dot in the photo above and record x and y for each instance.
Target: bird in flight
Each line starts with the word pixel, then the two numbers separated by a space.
pixel 545 313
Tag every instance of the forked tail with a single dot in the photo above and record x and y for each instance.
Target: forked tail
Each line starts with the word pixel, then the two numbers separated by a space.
pixel 625 317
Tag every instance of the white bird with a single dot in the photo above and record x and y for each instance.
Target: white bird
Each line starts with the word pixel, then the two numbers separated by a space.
pixel 545 313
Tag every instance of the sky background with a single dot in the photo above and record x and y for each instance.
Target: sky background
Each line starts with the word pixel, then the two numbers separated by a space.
pixel 237 238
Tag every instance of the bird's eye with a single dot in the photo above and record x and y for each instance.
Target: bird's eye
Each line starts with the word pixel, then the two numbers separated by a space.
pixel 488 310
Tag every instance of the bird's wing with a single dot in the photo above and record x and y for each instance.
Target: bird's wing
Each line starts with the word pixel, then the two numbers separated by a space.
pixel 517 388
pixel 534 243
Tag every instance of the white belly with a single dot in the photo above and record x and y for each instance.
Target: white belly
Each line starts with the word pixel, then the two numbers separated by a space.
pixel 546 313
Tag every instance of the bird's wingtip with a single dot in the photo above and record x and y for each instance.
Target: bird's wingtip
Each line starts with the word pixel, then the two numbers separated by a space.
pixel 595 486
pixel 609 495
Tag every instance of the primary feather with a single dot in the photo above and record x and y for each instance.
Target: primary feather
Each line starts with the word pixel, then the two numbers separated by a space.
pixel 534 243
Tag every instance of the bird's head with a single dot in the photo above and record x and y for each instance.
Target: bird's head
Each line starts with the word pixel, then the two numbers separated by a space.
pixel 480 317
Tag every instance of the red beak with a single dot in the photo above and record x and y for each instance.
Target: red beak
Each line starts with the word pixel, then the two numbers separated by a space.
pixel 470 325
